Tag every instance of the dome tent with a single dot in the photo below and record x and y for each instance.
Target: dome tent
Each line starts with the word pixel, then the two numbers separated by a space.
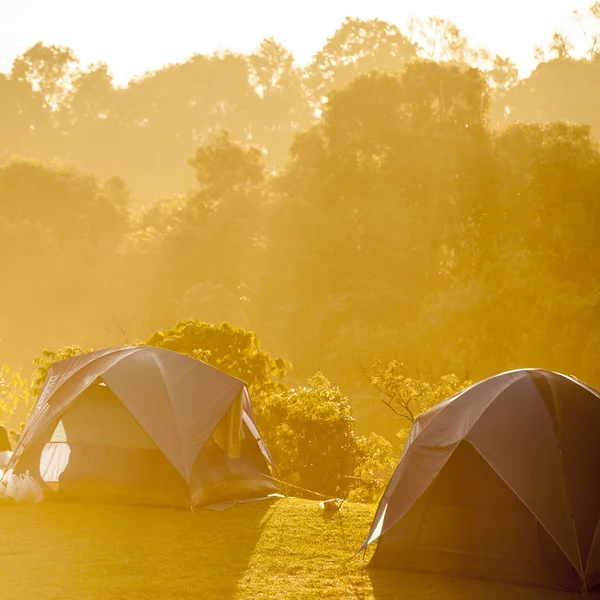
pixel 144 425
pixel 500 481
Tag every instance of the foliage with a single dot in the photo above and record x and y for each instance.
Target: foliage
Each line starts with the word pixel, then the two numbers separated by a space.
pixel 232 350
pixel 49 69
pixel 356 48
pixel 74 202
pixel 222 164
pixel 285 106
pixel 432 206
pixel 15 397
pixel 310 433
pixel 374 469
pixel 417 144
pixel 441 40
pixel 407 397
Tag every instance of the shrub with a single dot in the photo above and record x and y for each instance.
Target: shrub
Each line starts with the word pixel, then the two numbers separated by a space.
pixel 375 465
pixel 230 349
pixel 15 397
pixel 310 432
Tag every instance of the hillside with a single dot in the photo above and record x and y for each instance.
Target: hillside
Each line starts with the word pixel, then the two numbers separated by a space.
pixel 285 549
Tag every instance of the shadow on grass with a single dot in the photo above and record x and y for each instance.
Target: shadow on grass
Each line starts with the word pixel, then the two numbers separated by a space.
pixel 75 551
pixel 389 584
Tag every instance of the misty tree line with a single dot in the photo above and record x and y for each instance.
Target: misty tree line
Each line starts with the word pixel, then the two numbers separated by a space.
pixel 53 106
pixel 382 204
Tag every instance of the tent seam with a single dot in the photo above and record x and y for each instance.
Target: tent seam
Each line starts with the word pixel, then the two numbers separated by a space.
pixel 407 450
pixel 144 430
pixel 76 372
pixel 587 564
pixel 363 546
pixel 567 496
pixel 490 404
pixel 525 505
pixel 159 366
pixel 35 418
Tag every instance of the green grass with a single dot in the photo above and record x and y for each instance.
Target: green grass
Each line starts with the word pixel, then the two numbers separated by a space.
pixel 283 549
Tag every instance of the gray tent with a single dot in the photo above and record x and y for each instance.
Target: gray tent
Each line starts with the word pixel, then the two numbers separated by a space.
pixel 500 482
pixel 144 425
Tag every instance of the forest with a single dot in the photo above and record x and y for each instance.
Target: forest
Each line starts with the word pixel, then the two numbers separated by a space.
pixel 357 239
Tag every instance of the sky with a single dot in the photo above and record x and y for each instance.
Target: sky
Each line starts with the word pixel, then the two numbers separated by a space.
pixel 135 36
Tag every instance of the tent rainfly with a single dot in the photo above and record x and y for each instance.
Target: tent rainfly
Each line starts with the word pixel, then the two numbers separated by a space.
pixel 500 482
pixel 144 425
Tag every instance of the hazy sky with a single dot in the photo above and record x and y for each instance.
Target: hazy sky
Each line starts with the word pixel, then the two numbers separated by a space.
pixel 133 36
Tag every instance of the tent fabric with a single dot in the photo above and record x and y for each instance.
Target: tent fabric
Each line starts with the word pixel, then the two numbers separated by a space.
pixel 113 424
pixel 66 380
pixel 250 423
pixel 106 415
pixel 229 431
pixel 530 435
pixel 54 460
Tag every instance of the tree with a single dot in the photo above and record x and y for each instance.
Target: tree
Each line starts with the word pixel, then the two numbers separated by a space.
pixel 222 165
pixel 49 69
pixel 557 90
pixel 440 40
pixel 376 465
pixel 15 397
pixel 164 115
pixel 555 171
pixel 503 74
pixel 93 93
pixel 538 282
pixel 310 432
pixel 403 224
pixel 356 48
pixel 407 397
pixel 23 122
pixel 392 207
pixel 162 215
pixel 72 203
pixel 230 349
pixel 62 230
pixel 560 46
pixel 284 108
pixel 219 225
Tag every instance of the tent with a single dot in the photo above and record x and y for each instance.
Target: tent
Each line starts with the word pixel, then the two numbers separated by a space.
pixel 500 482
pixel 144 425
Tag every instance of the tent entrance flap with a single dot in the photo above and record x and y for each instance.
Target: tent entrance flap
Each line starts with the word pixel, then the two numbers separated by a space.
pixel 229 432
pixel 113 424
pixel 114 451
pixel 470 522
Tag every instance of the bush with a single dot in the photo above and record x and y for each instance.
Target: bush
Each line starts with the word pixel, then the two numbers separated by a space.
pixel 15 397
pixel 375 466
pixel 310 432
pixel 407 397
pixel 230 349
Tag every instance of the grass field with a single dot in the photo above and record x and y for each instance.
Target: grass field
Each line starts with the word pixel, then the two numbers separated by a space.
pixel 281 549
